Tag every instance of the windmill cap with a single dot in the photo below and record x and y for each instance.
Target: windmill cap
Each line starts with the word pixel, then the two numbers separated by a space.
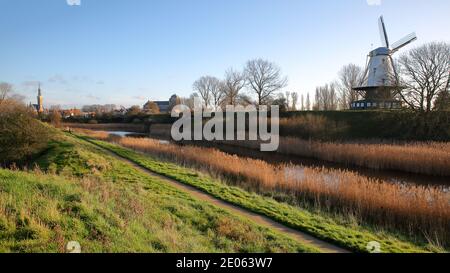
pixel 380 51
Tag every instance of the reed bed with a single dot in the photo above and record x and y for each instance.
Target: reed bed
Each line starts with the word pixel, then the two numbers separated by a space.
pixel 100 135
pixel 414 210
pixel 429 158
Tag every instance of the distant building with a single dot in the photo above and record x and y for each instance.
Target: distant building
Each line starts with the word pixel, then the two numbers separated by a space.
pixel 164 106
pixel 71 113
pixel 39 107
pixel 370 104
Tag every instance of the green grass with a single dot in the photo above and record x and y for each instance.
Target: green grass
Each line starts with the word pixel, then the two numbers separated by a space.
pixel 85 195
pixel 354 238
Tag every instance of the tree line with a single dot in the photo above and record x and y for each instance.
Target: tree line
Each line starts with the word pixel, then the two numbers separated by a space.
pixel 260 82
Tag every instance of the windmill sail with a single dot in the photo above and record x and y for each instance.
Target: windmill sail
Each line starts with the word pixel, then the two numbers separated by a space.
pixel 403 42
pixel 383 32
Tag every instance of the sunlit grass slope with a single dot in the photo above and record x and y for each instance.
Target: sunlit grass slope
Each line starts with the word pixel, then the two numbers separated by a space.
pixel 87 196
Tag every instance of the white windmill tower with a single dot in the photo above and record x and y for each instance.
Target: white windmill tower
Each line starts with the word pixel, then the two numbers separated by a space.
pixel 380 74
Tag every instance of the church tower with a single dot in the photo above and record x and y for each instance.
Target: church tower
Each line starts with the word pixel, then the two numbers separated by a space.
pixel 40 100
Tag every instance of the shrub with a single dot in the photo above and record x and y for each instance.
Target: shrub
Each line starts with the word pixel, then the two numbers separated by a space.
pixel 311 126
pixel 20 134
pixel 55 119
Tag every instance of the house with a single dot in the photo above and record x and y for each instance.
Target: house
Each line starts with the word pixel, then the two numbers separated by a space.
pixel 71 113
pixel 164 106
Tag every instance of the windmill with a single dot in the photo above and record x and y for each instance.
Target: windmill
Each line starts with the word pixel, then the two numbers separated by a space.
pixel 379 81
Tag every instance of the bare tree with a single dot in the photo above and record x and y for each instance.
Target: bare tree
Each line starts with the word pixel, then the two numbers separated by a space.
pixel 264 79
pixel 173 101
pixel 442 102
pixel 245 100
pixel 281 102
pixel 350 76
pixel 217 94
pixel 210 90
pixel 55 116
pixel 190 102
pixel 99 109
pixel 288 100
pixel 5 90
pixel 201 86
pixel 233 84
pixel 294 101
pixel 302 103
pixel 308 102
pixel 326 98
pixel 152 108
pixel 424 74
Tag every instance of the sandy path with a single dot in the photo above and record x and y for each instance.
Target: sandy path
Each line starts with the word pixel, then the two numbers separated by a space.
pixel 257 218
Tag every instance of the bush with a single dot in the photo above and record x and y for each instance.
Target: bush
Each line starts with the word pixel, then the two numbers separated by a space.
pixel 55 119
pixel 20 134
pixel 136 121
pixel 357 125
pixel 311 126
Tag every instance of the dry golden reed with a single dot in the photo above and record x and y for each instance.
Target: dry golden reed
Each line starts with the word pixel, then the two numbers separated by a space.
pixel 416 210
pixel 423 158
pixel 430 158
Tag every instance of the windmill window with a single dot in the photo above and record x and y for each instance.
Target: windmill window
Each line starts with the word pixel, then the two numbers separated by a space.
pixel 369 104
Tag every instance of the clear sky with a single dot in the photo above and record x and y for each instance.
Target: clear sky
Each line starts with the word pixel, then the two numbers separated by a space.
pixel 128 51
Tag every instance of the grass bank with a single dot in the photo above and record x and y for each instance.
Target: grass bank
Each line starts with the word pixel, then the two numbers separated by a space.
pixel 80 193
pixel 357 125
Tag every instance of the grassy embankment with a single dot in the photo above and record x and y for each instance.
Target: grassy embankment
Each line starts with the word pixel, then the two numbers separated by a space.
pixel 87 196
pixel 358 125
pixel 349 235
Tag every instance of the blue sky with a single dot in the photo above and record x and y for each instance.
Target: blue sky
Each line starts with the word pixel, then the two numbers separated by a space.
pixel 128 51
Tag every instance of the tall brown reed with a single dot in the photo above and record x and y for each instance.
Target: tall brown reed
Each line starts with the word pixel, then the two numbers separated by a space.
pixel 430 158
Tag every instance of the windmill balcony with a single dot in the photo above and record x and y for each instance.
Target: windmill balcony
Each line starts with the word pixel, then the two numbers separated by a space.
pixel 376 104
